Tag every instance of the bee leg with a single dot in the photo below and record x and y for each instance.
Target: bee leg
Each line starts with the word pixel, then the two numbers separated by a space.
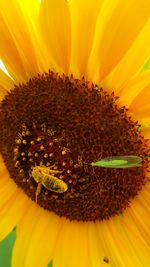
pixel 38 190
pixel 53 172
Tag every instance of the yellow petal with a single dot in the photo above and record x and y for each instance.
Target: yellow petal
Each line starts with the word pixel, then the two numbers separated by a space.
pixel 7 190
pixel 12 212
pixel 3 68
pixel 3 92
pixel 121 249
pixel 97 250
pixel 83 22
pixel 132 62
pixel 136 224
pixel 55 29
pixel 132 88
pixel 72 247
pixel 9 53
pixel 139 214
pixel 140 106
pixel 37 234
pixel 30 12
pixel 16 48
pixel 146 132
pixel 126 238
pixel 112 244
pixel 6 83
pixel 12 203
pixel 118 26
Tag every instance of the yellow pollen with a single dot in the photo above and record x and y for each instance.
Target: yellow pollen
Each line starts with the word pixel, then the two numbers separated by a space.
pixel 76 166
pixel 23 133
pixel 17 163
pixel 27 132
pixel 24 142
pixel 18 141
pixel 16 150
pixel 50 132
pixel 43 129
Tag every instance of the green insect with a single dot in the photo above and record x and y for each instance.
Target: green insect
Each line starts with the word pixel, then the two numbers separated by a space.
pixel 45 176
pixel 119 162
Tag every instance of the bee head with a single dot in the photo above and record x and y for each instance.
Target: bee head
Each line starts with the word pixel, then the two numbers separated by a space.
pixel 37 174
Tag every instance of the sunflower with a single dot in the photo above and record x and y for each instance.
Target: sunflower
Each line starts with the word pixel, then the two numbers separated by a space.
pixel 72 94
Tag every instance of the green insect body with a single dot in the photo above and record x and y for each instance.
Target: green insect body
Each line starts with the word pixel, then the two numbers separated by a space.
pixel 45 176
pixel 119 162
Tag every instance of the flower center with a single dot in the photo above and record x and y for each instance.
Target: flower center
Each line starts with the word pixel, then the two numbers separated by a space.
pixel 52 130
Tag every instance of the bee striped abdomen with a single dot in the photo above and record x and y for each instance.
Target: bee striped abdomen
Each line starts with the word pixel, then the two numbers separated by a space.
pixel 54 184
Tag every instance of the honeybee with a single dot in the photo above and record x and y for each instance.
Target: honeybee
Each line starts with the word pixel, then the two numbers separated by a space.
pixel 45 176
